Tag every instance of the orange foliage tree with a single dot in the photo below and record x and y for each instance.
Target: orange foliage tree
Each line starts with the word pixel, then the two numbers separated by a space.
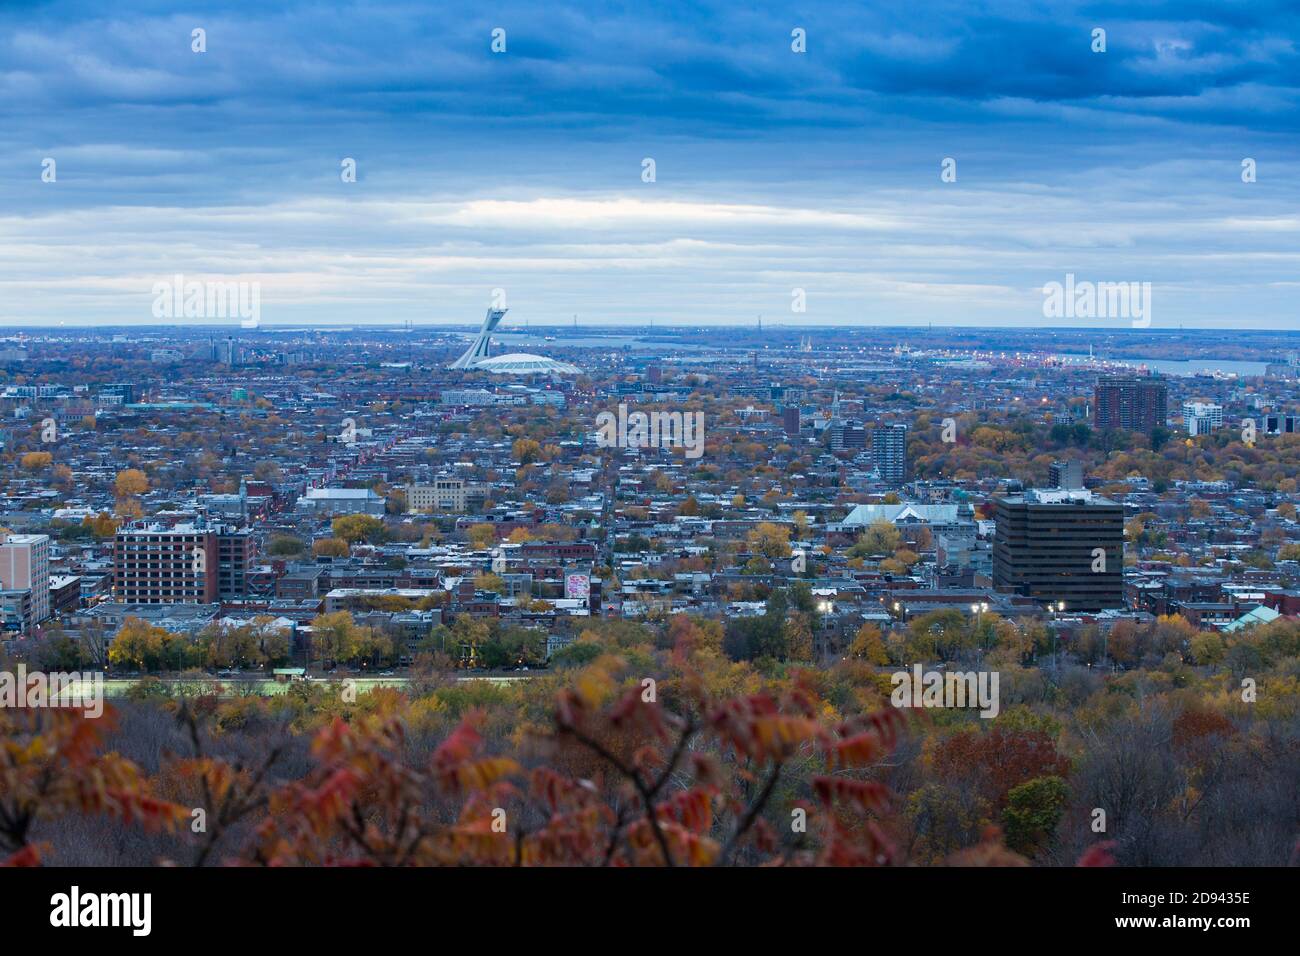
pixel 628 773
pixel 50 765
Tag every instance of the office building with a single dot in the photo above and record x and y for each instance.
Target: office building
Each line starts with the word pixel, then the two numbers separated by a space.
pixel 25 566
pixel 16 611
pixel 65 593
pixel 1060 545
pixel 1065 474
pixel 444 494
pixel 847 435
pixel 790 420
pixel 330 502
pixel 1275 423
pixel 153 564
pixel 128 392
pixel 1136 403
pixel 468 397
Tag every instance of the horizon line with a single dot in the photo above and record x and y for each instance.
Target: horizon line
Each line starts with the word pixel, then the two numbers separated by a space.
pixel 404 326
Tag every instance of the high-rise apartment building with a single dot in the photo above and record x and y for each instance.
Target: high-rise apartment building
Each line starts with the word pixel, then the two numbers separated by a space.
pixel 25 566
pixel 1061 545
pixel 790 420
pixel 1201 418
pixel 234 557
pixel 889 446
pixel 1136 403
pixel 128 392
pixel 1065 474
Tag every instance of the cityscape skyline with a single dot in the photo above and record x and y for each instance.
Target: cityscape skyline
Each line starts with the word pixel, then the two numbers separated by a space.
pixel 458 324
pixel 449 437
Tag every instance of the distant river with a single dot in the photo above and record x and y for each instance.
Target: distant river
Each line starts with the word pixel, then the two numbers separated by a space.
pixel 592 341
pixel 1189 367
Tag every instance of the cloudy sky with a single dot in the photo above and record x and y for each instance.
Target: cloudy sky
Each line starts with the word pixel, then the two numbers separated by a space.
pixel 774 170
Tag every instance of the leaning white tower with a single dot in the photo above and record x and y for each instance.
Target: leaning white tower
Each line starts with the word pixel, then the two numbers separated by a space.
pixel 478 349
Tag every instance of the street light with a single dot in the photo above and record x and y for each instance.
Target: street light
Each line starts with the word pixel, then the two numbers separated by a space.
pixel 978 609
pixel 1057 609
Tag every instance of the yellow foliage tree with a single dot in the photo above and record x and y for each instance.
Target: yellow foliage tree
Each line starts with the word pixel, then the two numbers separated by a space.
pixel 330 548
pixel 130 481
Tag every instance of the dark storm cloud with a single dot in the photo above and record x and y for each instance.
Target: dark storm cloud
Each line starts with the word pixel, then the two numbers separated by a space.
pixel 775 169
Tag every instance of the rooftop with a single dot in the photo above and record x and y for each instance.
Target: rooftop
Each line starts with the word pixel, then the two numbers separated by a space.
pixel 525 363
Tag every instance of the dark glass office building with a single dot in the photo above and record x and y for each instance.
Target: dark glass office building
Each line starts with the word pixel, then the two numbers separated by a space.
pixel 1061 545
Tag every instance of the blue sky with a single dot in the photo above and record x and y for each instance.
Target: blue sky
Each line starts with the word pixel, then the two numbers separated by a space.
pixel 775 170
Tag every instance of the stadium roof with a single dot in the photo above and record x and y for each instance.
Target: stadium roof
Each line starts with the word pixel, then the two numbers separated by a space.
pixel 524 363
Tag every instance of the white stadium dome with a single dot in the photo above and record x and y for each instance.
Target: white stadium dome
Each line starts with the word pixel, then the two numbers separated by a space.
pixel 525 363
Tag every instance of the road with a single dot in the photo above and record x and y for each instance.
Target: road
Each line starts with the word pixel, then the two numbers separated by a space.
pixel 241 686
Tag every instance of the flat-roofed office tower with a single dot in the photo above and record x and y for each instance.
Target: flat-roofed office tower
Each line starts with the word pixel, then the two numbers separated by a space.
pixel 157 565
pixel 1061 545
pixel 1135 403
pixel 442 494
pixel 478 349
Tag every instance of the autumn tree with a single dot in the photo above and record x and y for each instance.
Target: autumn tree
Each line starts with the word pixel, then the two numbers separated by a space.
pixel 482 536
pixel 130 482
pixel 284 545
pixel 330 548
pixel 770 540
pixel 52 763
pixel 1032 812
pixel 867 645
pixel 334 637
pixel 358 527
pixel 141 644
pixel 998 760
pixel 880 537
pixel 490 582
pixel 526 450
pixel 101 525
